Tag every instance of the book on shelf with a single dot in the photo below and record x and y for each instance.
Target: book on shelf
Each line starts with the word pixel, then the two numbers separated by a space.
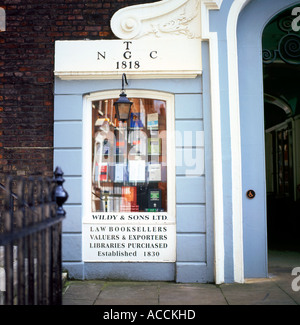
pixel 129 194
pixel 129 208
pixel 117 198
pixel 154 198
pixel 137 170
pixel 129 199
pixel 100 172
pixel 119 172
pixel 152 121
pixel 154 146
pixel 154 172
pixel 125 207
pixel 107 201
pixel 134 208
pixel 103 172
pixel 153 210
pixel 142 196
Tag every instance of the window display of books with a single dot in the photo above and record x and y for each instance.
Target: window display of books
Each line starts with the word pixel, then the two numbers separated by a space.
pixel 130 170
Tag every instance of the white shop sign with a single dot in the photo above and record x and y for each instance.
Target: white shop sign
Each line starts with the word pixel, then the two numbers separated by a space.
pixel 98 59
pixel 129 237
pixel 129 242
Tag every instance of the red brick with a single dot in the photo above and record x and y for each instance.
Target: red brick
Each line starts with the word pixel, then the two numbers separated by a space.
pixel 26 70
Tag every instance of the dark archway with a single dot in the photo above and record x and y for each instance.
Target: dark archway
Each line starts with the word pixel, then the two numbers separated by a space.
pixel 281 55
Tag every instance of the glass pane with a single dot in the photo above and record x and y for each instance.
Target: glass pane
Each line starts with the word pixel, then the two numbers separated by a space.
pixel 129 159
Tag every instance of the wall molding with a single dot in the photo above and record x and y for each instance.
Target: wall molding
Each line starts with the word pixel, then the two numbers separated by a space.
pixel 162 19
pixel 236 159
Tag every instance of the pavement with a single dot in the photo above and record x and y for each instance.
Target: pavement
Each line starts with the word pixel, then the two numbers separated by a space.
pixel 280 288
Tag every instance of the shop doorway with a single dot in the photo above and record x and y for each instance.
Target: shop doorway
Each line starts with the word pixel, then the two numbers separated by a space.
pixel 281 72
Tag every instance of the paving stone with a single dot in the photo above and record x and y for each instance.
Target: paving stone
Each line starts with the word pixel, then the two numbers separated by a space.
pixel 82 291
pixel 128 293
pixel 186 294
pixel 259 293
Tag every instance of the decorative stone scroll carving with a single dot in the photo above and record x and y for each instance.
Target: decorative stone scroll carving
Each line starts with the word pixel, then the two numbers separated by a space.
pixel 162 19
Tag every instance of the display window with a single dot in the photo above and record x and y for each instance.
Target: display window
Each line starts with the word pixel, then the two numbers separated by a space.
pixel 129 158
pixel 129 196
pixel 129 165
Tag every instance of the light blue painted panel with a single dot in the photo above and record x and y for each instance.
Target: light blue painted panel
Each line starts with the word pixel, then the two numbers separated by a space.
pixel 188 106
pixel 68 107
pixel 70 160
pixel 191 218
pixel 209 271
pixel 191 247
pixel 67 135
pixel 72 221
pixel 192 272
pixel 130 271
pixel 189 138
pixel 190 189
pixel 175 86
pixel 192 125
pixel 190 161
pixel 71 247
pixel 73 186
pixel 75 270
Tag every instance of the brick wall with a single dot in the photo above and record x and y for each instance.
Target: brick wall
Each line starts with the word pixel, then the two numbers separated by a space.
pixel 26 72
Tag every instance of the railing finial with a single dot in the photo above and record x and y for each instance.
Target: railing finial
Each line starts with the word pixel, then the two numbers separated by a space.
pixel 61 195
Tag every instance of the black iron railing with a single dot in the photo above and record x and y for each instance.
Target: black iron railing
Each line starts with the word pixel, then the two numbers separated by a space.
pixel 30 239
